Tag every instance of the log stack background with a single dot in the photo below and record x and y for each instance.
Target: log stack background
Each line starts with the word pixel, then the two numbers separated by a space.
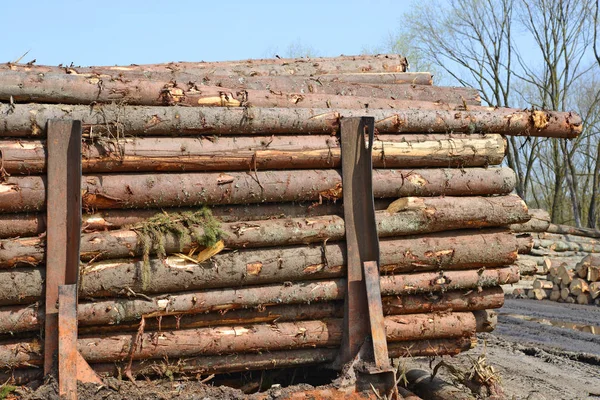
pixel 563 263
pixel 213 230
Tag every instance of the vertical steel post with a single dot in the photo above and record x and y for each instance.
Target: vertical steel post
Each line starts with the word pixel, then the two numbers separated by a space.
pixel 63 232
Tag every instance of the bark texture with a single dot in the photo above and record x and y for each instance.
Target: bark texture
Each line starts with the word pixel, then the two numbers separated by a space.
pixel 249 361
pixel 116 311
pixel 406 216
pixel 254 153
pixel 445 251
pixel 16 319
pixel 240 339
pixel 110 120
pixel 250 67
pixel 19 194
pixel 82 89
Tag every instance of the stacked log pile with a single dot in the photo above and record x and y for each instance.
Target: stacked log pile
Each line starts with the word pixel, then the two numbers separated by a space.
pixel 213 237
pixel 563 284
pixel 561 255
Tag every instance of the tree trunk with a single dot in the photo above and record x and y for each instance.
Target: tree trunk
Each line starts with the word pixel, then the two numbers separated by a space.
pixel 448 251
pixel 249 361
pixel 24 225
pixel 81 89
pixel 18 194
pixel 255 153
pixel 539 222
pixel 571 230
pixel 559 246
pixel 113 121
pixel 121 310
pixel 567 238
pixel 251 67
pixel 406 216
pixel 241 339
pixel 16 319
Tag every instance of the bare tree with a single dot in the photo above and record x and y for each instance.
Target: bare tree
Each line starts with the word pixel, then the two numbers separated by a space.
pixel 473 41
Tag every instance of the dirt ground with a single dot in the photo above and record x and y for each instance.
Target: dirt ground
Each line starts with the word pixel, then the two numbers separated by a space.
pixel 535 359
pixel 541 350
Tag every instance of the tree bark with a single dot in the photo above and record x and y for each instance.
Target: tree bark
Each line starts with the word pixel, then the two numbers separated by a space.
pixel 406 216
pixel 254 153
pixel 82 89
pixel 32 224
pixel 18 194
pixel 560 246
pixel 571 230
pixel 118 311
pixel 110 120
pixel 248 361
pixel 17 319
pixel 446 251
pixel 539 222
pixel 250 67
pixel 557 237
pixel 240 339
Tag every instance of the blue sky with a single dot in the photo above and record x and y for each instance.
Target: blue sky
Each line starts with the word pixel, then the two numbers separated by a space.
pixel 107 32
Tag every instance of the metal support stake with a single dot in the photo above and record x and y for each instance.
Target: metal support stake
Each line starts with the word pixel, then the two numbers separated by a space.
pixel 67 343
pixel 63 232
pixel 364 334
pixel 63 236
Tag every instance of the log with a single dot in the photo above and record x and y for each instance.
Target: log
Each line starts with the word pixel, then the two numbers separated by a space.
pixel 565 294
pixel 566 274
pixel 17 319
pixel 254 153
pixel 564 255
pixel 570 300
pixel 27 193
pixel 557 237
pixel 554 295
pixel 578 286
pixel 251 67
pixel 239 339
pixel 90 90
pixel 581 269
pixel 406 216
pixel 542 284
pixel 485 320
pixel 121 310
pixel 248 361
pixel 594 289
pixel 525 243
pixel 539 294
pixel 566 246
pixel 571 230
pixel 526 267
pixel 32 224
pixel 593 273
pixel 539 222
pixel 434 388
pixel 109 120
pixel 584 298
pixel 448 251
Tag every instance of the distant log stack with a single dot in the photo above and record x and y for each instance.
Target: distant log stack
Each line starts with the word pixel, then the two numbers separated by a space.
pixel 563 264
pixel 213 217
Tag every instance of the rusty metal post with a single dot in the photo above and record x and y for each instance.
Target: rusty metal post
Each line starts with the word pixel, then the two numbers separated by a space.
pixel 63 199
pixel 67 343
pixel 362 242
pixel 364 336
